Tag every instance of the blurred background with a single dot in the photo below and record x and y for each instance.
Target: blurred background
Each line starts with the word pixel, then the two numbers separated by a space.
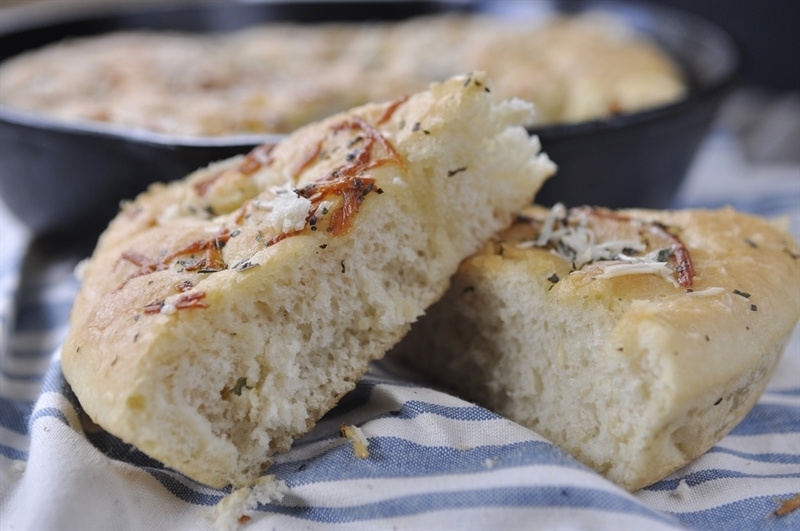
pixel 767 29
pixel 758 127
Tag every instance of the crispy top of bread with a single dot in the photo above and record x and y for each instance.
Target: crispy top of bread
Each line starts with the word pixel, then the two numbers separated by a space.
pixel 635 339
pixel 222 315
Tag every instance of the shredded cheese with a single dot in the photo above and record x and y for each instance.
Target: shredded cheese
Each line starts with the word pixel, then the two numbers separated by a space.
pixel 577 244
pixel 323 208
pixel 708 292
pixel 360 442
pixel 638 268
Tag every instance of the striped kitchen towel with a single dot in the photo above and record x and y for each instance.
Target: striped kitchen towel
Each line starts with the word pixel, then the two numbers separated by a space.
pixel 436 462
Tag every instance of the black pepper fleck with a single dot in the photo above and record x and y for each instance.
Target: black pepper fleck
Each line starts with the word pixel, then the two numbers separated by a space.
pixel 245 265
pixel 241 383
pixel 719 400
pixel 664 254
pixel 456 171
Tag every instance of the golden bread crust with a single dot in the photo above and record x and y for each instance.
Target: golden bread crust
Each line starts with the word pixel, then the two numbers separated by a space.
pixel 637 374
pixel 222 315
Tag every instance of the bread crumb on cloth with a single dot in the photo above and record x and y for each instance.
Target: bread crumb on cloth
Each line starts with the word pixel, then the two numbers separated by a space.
pixel 788 506
pixel 360 442
pixel 237 507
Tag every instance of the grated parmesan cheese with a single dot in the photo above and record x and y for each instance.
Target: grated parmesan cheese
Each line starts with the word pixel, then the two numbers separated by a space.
pixel 287 211
pixel 578 245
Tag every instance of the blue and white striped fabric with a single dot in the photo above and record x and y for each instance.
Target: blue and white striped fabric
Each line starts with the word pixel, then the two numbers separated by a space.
pixel 436 462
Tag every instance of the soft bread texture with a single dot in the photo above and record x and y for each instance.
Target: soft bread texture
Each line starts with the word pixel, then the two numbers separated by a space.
pixel 634 375
pixel 221 316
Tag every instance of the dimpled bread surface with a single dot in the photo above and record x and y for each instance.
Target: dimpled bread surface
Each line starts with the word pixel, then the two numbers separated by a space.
pixel 633 374
pixel 221 316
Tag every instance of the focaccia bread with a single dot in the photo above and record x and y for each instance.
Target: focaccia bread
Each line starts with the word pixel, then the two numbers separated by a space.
pixel 221 316
pixel 635 340
pixel 275 77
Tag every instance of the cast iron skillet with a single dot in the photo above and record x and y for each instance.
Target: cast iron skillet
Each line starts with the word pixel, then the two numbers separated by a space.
pixel 60 177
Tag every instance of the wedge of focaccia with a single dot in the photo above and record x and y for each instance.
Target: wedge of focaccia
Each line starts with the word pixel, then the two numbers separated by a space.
pixel 221 316
pixel 635 340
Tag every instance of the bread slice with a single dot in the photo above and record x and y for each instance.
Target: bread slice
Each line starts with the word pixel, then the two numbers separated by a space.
pixel 634 340
pixel 222 315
